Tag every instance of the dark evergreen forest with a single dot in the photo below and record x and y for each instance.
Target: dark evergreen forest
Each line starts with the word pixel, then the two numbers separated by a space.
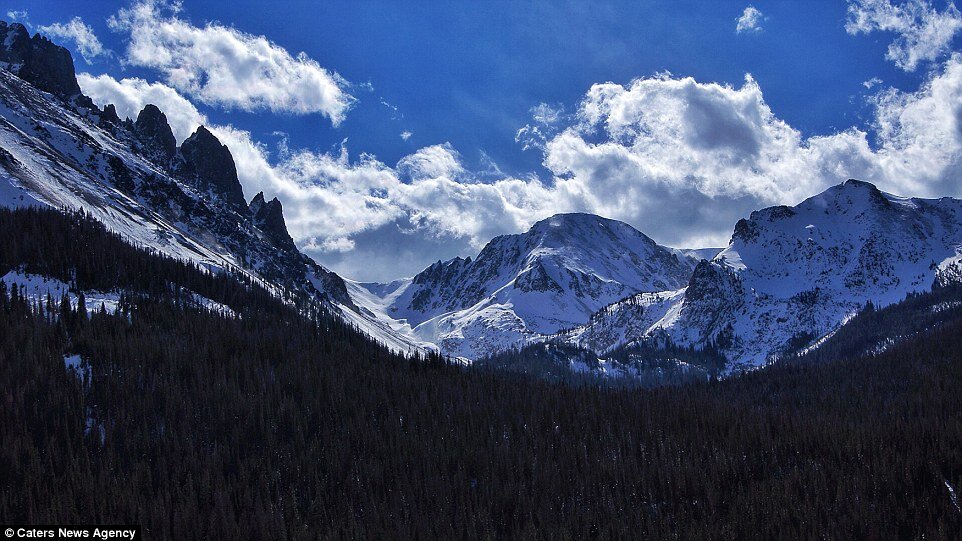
pixel 281 422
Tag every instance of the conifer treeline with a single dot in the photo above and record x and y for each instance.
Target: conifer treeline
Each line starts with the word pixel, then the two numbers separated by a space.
pixel 272 425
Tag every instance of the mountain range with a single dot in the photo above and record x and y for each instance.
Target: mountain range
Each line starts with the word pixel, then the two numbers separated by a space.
pixel 793 275
pixel 789 278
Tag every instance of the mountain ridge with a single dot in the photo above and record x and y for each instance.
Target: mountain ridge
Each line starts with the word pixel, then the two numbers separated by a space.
pixel 789 274
pixel 795 271
pixel 58 149
pixel 537 282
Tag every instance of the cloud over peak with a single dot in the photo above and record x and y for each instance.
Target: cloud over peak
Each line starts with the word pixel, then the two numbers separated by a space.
pixel 20 15
pixel 222 66
pixel 679 159
pixel 78 32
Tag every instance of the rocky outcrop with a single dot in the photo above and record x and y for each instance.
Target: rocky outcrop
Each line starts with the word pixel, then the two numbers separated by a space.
pixel 209 166
pixel 38 61
pixel 109 119
pixel 268 216
pixel 155 136
pixel 536 278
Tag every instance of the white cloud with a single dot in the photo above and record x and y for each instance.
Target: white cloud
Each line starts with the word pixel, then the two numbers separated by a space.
pixel 679 159
pixel 547 115
pixel 531 137
pixel 546 119
pixel 920 135
pixel 80 33
pixel 130 96
pixel 749 21
pixel 406 135
pixel 432 162
pixel 19 15
pixel 223 66
pixel 924 33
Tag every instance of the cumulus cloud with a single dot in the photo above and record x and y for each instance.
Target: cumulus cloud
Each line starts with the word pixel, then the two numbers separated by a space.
pixel 749 21
pixel 679 159
pixel 920 135
pixel 679 132
pixel 432 162
pixel 223 66
pixel 331 200
pixel 405 135
pixel 130 95
pixel 924 33
pixel 682 159
pixel 80 33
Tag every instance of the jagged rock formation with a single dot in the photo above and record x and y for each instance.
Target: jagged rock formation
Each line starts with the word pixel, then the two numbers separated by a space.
pixel 154 134
pixel 209 167
pixel 57 149
pixel 269 217
pixel 40 62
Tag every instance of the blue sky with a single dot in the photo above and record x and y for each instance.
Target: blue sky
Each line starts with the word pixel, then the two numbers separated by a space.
pixel 459 80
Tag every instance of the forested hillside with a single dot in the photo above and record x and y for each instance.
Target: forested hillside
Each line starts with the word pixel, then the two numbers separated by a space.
pixel 279 422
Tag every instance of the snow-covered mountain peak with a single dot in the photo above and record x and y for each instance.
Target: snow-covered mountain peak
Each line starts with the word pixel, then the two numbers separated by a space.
pixel 577 227
pixel 791 274
pixel 852 234
pixel 575 232
pixel 553 276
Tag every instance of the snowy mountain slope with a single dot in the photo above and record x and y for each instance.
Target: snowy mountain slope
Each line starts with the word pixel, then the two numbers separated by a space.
pixel 793 274
pixel 57 149
pixel 527 285
pixel 51 156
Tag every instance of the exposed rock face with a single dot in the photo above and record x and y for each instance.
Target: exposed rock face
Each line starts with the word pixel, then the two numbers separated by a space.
pixel 38 61
pixel 110 114
pixel 537 278
pixel 269 217
pixel 209 166
pixel 155 136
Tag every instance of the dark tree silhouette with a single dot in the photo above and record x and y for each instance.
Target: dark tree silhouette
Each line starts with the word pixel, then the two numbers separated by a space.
pixel 280 422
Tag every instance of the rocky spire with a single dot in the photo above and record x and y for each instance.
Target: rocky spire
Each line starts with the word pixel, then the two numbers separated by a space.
pixel 269 218
pixel 38 61
pixel 209 166
pixel 110 114
pixel 155 136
